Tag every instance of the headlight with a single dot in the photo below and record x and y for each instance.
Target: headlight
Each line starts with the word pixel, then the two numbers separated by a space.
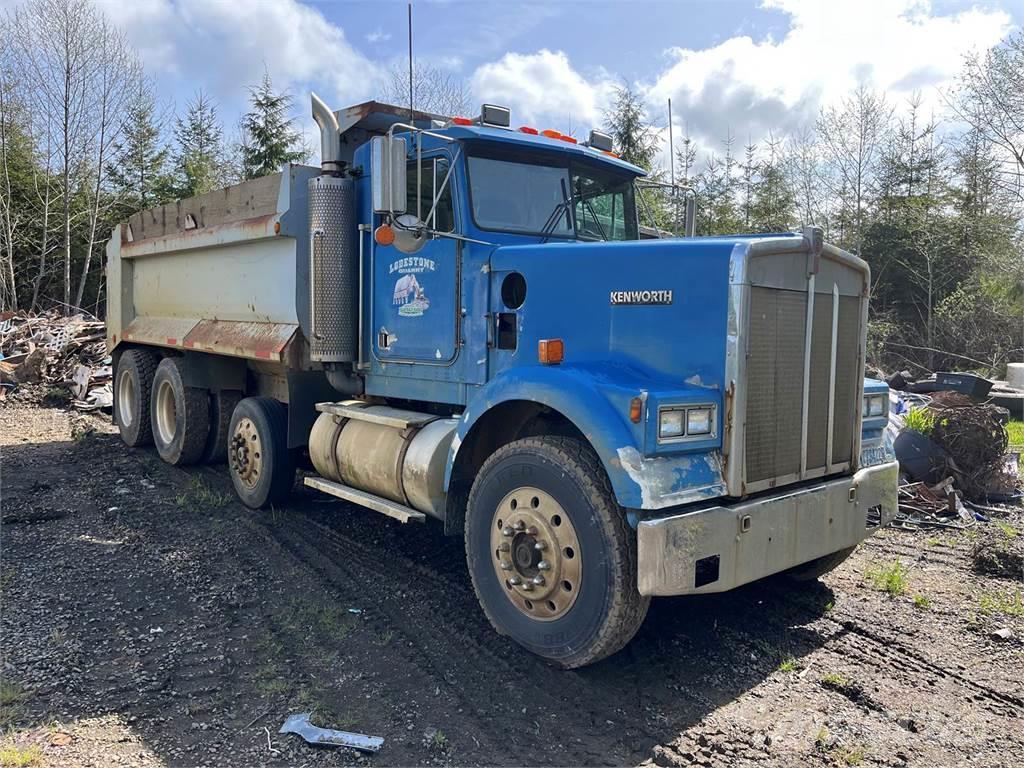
pixel 698 421
pixel 670 424
pixel 680 423
pixel 875 405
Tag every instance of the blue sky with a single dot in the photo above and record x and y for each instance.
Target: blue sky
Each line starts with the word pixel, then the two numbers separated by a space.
pixel 742 66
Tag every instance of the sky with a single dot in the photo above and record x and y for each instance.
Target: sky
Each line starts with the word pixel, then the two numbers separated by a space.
pixel 749 67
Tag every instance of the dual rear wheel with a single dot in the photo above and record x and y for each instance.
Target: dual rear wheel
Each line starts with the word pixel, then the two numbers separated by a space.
pixel 189 425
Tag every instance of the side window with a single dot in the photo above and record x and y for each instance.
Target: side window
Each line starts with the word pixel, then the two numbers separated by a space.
pixel 434 171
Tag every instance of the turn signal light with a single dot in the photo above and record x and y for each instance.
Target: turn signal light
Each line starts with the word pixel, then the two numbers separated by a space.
pixel 636 409
pixel 384 234
pixel 528 129
pixel 550 351
pixel 462 121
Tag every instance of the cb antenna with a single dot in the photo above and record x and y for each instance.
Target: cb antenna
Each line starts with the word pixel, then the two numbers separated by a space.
pixel 411 119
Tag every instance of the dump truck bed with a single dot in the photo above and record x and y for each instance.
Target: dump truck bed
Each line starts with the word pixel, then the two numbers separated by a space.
pixel 224 272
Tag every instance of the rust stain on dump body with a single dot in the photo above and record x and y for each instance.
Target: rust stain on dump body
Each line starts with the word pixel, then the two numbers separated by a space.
pixel 260 341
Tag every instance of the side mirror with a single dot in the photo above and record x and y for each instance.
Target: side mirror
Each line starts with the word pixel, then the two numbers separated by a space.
pixel 387 174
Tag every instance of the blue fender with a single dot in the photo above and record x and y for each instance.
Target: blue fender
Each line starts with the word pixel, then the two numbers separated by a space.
pixel 596 400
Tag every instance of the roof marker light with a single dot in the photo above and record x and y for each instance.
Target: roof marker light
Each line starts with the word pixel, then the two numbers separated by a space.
pixel 529 130
pixel 551 133
pixel 570 139
pixel 461 121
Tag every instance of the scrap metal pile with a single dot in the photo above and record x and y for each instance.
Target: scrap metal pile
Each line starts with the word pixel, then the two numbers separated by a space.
pixel 55 350
pixel 951 440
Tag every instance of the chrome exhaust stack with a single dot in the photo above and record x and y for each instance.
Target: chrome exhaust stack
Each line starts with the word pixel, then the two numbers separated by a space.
pixel 330 137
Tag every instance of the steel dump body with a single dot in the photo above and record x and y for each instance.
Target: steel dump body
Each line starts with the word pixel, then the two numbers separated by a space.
pixel 224 273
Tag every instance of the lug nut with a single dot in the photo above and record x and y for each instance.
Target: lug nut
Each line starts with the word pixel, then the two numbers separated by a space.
pixel 527 587
pixel 515 581
pixel 504 547
pixel 520 525
pixel 544 565
pixel 506 565
pixel 538 580
pixel 532 530
pixel 540 546
pixel 507 531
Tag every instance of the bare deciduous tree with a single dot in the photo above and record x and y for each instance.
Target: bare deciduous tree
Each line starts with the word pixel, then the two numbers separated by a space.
pixel 852 135
pixel 434 89
pixel 77 70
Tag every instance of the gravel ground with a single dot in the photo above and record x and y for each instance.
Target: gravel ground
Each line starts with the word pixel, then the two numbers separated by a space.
pixel 150 620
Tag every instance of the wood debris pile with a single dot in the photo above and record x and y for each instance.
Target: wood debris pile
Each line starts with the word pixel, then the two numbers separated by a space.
pixel 56 350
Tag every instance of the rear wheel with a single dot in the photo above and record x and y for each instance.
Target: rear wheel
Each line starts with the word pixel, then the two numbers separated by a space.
pixel 262 467
pixel 551 557
pixel 132 387
pixel 222 407
pixel 179 415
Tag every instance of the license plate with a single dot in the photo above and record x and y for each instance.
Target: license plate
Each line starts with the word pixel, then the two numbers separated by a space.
pixel 870 457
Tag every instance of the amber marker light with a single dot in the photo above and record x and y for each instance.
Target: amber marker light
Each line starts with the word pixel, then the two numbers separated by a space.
pixel 462 121
pixel 527 129
pixel 384 234
pixel 551 133
pixel 550 351
pixel 636 409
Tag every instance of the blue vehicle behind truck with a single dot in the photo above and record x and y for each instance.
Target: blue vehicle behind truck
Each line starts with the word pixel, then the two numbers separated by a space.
pixel 459 320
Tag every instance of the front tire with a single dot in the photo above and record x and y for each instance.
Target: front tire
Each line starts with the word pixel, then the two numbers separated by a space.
pixel 262 468
pixel 179 415
pixel 550 554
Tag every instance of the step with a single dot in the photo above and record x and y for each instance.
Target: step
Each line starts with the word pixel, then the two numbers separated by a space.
pixel 378 414
pixel 387 507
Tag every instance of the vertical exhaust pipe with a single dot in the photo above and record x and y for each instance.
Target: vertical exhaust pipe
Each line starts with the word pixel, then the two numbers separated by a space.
pixel 330 136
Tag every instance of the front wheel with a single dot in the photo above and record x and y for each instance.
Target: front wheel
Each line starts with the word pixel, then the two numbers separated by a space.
pixel 552 559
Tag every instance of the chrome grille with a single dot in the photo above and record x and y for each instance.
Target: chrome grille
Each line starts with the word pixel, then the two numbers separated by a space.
pixel 775 384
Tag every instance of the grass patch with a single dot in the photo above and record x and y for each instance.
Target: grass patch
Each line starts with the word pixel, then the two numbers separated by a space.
pixel 11 693
pixel 788 664
pixel 1008 603
pixel 199 494
pixel 1008 530
pixel 922 602
pixel 20 757
pixel 1015 431
pixel 821 738
pixel 835 680
pixel 850 755
pixel 921 420
pixel 57 397
pixel 890 579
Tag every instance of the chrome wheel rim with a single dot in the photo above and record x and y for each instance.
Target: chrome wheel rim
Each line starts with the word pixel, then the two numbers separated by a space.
pixel 246 453
pixel 127 398
pixel 166 413
pixel 536 554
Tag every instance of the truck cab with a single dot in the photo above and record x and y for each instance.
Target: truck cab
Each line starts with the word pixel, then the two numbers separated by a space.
pixel 480 336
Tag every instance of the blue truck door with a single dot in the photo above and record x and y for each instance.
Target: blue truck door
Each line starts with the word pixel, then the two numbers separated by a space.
pixel 416 295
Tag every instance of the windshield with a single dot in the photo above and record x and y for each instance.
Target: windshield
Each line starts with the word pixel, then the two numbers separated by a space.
pixel 557 200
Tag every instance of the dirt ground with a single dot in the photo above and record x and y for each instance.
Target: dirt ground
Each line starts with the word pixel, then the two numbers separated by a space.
pixel 150 620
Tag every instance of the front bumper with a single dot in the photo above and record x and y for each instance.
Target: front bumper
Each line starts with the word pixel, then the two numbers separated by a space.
pixel 718 548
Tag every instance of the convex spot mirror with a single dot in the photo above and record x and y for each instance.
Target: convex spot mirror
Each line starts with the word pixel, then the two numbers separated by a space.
pixel 388 174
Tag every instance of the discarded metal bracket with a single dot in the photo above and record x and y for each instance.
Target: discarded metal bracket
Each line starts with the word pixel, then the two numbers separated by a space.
pixel 327 737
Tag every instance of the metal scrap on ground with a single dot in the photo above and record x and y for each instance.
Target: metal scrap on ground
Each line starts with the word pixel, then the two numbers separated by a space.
pixel 951 440
pixel 53 349
pixel 327 737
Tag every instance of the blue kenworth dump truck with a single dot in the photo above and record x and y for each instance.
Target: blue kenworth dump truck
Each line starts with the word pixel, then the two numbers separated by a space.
pixel 459 320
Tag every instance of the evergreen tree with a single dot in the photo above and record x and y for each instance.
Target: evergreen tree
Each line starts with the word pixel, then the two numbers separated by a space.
pixel 138 174
pixel 635 139
pixel 199 159
pixel 269 141
pixel 772 205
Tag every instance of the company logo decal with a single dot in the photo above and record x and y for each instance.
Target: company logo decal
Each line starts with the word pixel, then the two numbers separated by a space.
pixel 641 297
pixel 409 296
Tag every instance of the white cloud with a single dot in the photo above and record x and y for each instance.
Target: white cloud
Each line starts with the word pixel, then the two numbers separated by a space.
pixel 543 86
pixel 752 87
pixel 378 36
pixel 223 46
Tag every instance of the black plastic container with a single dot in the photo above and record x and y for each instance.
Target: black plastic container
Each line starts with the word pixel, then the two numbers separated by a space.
pixel 968 383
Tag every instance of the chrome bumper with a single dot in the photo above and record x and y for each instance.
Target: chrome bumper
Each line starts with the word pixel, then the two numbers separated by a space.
pixel 718 548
